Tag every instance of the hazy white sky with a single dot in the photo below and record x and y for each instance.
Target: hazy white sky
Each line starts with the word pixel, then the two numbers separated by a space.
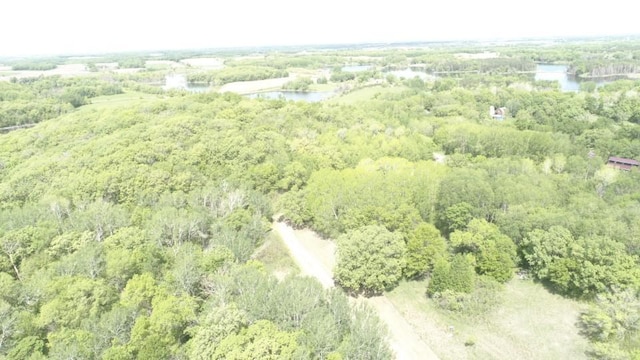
pixel 83 26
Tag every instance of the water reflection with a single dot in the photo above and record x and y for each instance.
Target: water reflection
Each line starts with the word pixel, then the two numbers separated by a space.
pixel 568 82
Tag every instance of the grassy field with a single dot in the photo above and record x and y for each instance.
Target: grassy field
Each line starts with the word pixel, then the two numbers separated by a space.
pixel 530 323
pixel 322 87
pixel 365 94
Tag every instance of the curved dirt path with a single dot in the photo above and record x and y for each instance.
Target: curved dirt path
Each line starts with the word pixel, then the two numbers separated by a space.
pixel 316 258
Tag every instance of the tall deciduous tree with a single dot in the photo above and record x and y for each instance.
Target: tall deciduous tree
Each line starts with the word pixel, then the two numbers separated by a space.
pixel 262 340
pixel 370 259
pixel 582 267
pixel 494 253
pixel 457 276
pixel 424 247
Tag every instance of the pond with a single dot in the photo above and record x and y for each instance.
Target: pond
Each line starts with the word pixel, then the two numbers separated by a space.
pixel 311 96
pixel 568 82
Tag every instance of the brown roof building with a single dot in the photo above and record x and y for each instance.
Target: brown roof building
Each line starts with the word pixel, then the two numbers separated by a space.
pixel 622 163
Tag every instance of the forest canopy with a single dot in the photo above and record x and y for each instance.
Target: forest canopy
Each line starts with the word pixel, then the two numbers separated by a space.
pixel 129 226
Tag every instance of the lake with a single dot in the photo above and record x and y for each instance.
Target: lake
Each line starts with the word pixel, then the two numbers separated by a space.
pixel 549 72
pixel 311 96
pixel 568 82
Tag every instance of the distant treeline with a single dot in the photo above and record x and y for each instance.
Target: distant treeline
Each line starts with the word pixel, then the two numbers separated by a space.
pixel 34 65
pixel 602 68
pixel 239 73
pixel 486 66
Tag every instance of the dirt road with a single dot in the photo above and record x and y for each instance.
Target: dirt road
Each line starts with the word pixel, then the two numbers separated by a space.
pixel 316 258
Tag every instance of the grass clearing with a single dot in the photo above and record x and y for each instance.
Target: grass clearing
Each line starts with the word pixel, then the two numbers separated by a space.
pixel 275 256
pixel 322 87
pixel 366 93
pixel 530 323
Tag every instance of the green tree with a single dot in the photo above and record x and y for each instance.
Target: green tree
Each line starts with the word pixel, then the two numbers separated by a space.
pixel 367 337
pixel 582 267
pixel 612 325
pixel 261 340
pixel 218 324
pixel 457 276
pixel 370 259
pixel 160 334
pixel 29 347
pixel 424 247
pixel 72 299
pixel 494 253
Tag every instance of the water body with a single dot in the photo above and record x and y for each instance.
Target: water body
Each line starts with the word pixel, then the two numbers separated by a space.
pixel 312 96
pixel 548 72
pixel 568 82
pixel 179 82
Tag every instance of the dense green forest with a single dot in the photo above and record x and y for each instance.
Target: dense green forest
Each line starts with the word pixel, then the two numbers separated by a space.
pixel 128 229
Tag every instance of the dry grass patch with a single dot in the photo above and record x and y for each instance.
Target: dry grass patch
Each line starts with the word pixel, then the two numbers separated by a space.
pixel 530 323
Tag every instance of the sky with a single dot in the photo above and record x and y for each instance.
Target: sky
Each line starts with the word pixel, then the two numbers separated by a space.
pixel 50 27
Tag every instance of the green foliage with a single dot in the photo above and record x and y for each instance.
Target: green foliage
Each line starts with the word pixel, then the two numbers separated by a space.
pixel 370 259
pixel 34 65
pixel 611 324
pixel 485 297
pixel 493 253
pixel 127 225
pixel 456 277
pixel 341 76
pixel 32 100
pixel 389 192
pixel 294 209
pixel 582 267
pixel 237 73
pixel 463 194
pixel 218 323
pixel 72 299
pixel 160 334
pixel 367 339
pixel 131 63
pixel 299 84
pixel 425 247
pixel 29 347
pixel 261 340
